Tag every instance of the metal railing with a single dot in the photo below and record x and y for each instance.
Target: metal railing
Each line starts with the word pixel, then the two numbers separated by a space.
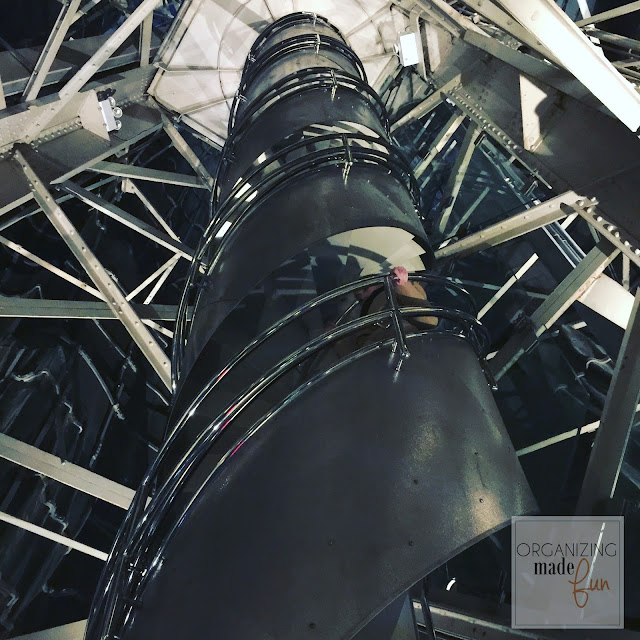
pixel 271 174
pixel 133 557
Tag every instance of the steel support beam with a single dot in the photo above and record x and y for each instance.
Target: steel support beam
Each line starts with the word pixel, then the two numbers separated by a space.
pixel 146 31
pixel 427 105
pixel 469 212
pixel 502 19
pixel 161 280
pixel 128 186
pixel 618 415
pixel 70 474
pixel 90 67
pixel 79 309
pixel 610 231
pixel 128 220
pixel 50 535
pixel 3 102
pixel 553 28
pixel 612 13
pixel 104 283
pixel 629 44
pixel 440 142
pixel 72 631
pixel 534 218
pixel 186 152
pixel 85 9
pixel 50 50
pixel 575 285
pixel 561 437
pixel 152 278
pixel 142 173
pixel 50 267
pixel 458 172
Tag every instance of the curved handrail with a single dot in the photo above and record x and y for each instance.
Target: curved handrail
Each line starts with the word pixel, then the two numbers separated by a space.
pixel 133 531
pixel 300 17
pixel 285 48
pixel 271 181
pixel 300 81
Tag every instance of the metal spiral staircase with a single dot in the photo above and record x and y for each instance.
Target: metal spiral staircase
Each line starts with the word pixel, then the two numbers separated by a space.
pixel 302 491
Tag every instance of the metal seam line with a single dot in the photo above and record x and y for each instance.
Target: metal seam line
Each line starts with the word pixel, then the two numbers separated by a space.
pixel 55 537
pixel 53 467
pixel 114 297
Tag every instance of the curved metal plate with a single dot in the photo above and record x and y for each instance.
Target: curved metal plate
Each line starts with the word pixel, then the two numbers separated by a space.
pixel 340 502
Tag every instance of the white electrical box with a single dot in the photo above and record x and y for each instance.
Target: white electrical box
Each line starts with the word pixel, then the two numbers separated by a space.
pixel 408 49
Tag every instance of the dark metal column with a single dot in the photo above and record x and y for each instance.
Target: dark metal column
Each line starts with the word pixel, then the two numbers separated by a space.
pixel 301 489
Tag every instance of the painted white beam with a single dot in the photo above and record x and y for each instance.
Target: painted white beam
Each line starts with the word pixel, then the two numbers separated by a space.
pixel 50 50
pixel 67 473
pixel 565 294
pixel 143 173
pixel 73 631
pixel 458 173
pixel 55 537
pixel 553 28
pixel 612 13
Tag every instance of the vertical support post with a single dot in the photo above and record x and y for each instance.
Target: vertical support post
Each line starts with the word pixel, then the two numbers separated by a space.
pixel 104 283
pixel 626 271
pixel 617 419
pixel 460 166
pixel 50 50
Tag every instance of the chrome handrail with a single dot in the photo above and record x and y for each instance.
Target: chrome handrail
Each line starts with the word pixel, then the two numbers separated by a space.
pixel 132 531
pixel 283 175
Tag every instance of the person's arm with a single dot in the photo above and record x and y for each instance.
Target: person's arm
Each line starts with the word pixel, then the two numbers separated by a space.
pixel 411 290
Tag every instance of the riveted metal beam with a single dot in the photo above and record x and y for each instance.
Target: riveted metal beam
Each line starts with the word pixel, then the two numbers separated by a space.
pixel 69 474
pixel 515 226
pixel 104 283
